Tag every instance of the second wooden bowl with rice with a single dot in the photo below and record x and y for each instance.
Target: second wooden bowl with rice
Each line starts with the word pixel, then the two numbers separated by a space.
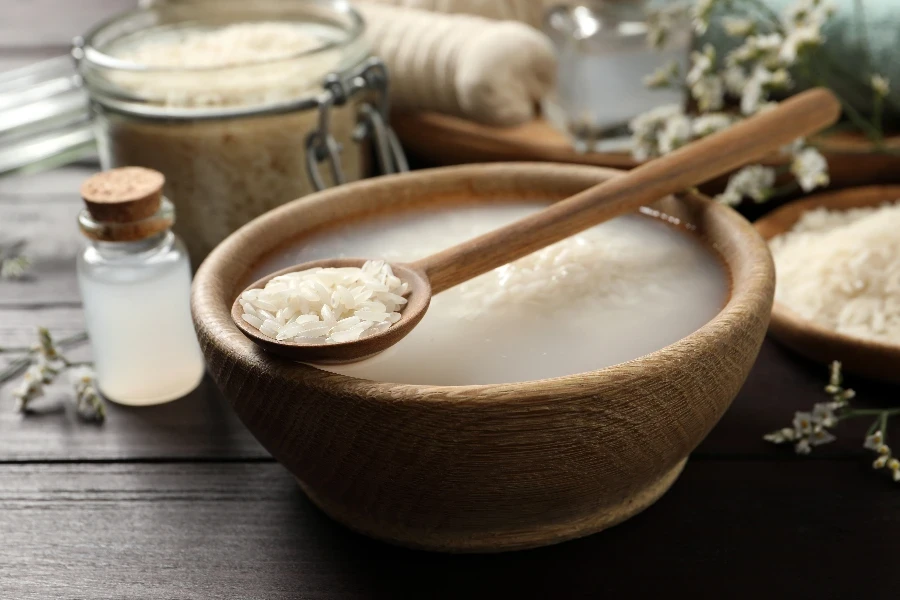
pixel 838 296
pixel 547 400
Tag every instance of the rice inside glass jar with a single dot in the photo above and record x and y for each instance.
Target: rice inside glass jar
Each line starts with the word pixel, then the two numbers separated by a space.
pixel 224 101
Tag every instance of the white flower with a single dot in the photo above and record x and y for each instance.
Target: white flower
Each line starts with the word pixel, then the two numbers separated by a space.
pixel 844 395
pixel 811 169
pixel 14 268
pixel 820 436
pixel 894 466
pixel 81 377
pixel 754 181
pixel 802 446
pixel 663 76
pixel 762 49
pixel 702 13
pixel 707 88
pixel 646 129
pixel 803 423
pixel 797 41
pixel 823 414
pixel 874 441
pixel 755 90
pixel 711 123
pixel 779 437
pixel 736 27
pixel 88 403
pixel 31 386
pixel 735 79
pixel 835 378
pixel 780 79
pixel 701 64
pixel 809 13
pixel 662 19
pixel 676 133
pixel 880 462
pixel 881 85
pixel 769 42
pixel 709 93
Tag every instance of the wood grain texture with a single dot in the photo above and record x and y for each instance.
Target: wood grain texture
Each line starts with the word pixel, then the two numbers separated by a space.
pixel 781 383
pixel 870 358
pixel 483 467
pixel 41 210
pixel 851 158
pixel 200 426
pixel 739 529
pixel 37 24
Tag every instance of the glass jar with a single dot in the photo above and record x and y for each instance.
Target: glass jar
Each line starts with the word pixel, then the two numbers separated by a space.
pixel 238 139
pixel 604 57
pixel 135 282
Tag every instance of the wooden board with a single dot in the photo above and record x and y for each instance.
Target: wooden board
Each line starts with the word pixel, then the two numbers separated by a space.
pixel 179 501
pixel 741 529
pixel 445 140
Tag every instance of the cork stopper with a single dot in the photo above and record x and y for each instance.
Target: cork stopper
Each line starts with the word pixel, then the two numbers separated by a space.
pixel 123 195
pixel 125 204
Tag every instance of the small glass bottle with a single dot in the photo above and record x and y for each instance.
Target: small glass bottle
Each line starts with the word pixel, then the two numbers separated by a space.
pixel 604 56
pixel 135 279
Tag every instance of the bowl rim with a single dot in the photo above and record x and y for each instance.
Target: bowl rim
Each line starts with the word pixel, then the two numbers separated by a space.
pixel 751 295
pixel 808 337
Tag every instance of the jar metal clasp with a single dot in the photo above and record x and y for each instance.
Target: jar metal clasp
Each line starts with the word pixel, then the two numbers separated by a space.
pixel 372 80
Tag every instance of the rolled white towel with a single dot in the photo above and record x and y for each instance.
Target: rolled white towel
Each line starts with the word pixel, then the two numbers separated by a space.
pixel 526 11
pixel 495 72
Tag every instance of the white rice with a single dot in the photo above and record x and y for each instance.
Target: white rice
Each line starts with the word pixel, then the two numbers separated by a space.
pixel 327 306
pixel 841 269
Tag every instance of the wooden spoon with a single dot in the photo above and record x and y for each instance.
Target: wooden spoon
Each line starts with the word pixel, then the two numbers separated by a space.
pixel 688 166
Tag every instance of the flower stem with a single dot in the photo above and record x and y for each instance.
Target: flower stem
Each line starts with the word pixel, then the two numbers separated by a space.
pixel 14 368
pixel 73 339
pixel 769 14
pixel 866 412
pixel 14 349
pixel 860 18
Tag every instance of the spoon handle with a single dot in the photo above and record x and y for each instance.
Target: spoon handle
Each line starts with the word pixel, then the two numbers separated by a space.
pixel 691 165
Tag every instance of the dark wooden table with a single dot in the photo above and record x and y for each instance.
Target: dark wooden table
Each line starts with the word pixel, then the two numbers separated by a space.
pixel 179 501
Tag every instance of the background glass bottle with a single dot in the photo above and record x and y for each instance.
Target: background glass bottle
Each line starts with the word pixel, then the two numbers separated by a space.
pixel 604 57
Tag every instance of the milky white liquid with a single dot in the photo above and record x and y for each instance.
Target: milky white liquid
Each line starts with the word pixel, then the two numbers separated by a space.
pixel 586 328
pixel 144 346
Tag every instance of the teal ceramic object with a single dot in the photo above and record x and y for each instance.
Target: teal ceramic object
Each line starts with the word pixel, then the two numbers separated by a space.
pixel 844 56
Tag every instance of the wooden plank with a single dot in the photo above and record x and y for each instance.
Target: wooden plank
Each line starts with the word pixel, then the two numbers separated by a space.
pixel 42 210
pixel 57 185
pixel 199 426
pixel 50 231
pixel 42 23
pixel 780 384
pixel 235 530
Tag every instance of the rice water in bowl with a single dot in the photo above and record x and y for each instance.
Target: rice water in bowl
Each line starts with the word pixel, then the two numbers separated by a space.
pixel 542 401
pixel 610 294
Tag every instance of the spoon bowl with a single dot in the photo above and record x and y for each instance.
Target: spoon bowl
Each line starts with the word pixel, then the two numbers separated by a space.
pixel 418 299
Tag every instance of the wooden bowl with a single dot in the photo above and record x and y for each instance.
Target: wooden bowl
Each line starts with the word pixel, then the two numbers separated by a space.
pixel 864 357
pixel 483 467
